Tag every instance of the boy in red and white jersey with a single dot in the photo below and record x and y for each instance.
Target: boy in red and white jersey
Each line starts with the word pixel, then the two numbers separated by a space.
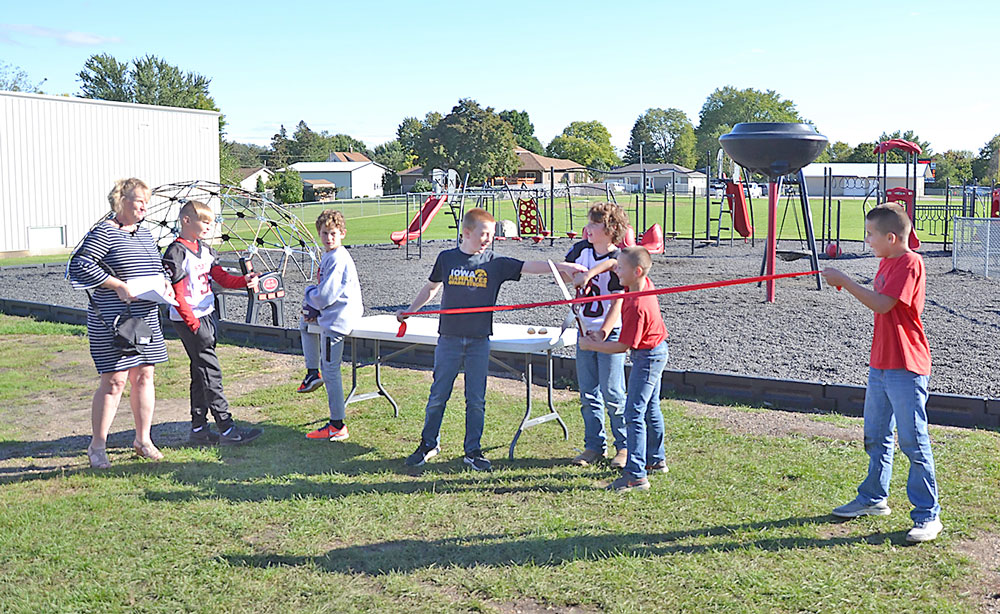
pixel 193 266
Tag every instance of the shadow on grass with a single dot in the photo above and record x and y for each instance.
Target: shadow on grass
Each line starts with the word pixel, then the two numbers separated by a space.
pixel 408 555
pixel 282 464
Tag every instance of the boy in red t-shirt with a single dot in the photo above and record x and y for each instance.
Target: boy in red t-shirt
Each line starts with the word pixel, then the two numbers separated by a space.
pixel 644 333
pixel 899 369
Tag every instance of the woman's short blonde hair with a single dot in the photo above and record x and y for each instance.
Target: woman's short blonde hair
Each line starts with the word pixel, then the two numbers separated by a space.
pixel 123 189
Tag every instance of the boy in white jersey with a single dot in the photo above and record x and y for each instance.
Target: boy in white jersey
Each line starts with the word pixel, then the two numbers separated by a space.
pixel 601 377
pixel 193 265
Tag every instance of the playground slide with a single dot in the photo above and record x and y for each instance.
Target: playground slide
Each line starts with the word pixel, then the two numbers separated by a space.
pixel 652 239
pixel 738 205
pixel 431 206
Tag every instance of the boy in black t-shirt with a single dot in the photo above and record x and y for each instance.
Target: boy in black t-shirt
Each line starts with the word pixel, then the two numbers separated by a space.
pixel 471 275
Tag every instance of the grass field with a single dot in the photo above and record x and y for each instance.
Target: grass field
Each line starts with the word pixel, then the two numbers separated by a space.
pixel 368 223
pixel 739 524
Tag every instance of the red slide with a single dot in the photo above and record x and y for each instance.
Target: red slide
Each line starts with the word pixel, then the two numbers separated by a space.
pixel 738 205
pixel 431 206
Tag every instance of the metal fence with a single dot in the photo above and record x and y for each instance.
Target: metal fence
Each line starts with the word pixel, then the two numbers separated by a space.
pixel 977 246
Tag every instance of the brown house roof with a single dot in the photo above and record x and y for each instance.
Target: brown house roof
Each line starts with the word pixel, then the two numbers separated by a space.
pixel 530 161
pixel 348 156
pixel 246 171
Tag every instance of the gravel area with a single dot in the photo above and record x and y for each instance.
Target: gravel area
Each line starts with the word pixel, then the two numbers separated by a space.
pixel 806 335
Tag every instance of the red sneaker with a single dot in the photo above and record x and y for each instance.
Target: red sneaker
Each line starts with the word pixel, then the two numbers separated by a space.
pixel 329 432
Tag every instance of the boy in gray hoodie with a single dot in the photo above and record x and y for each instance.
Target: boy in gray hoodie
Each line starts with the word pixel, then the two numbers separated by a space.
pixel 337 298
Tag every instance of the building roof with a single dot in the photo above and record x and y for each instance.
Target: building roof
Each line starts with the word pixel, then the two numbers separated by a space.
pixel 656 168
pixel 113 103
pixel 416 170
pixel 347 156
pixel 319 183
pixel 246 171
pixel 331 167
pixel 530 161
pixel 866 169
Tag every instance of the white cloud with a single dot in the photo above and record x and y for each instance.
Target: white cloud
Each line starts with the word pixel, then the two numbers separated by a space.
pixel 63 37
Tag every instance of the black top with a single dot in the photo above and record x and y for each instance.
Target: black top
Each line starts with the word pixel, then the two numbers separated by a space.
pixel 471 281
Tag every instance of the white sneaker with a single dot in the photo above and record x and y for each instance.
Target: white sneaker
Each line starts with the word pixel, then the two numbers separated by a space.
pixel 924 531
pixel 856 508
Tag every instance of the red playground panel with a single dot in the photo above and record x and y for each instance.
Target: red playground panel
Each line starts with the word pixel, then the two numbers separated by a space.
pixel 904 196
pixel 431 206
pixel 995 205
pixel 529 222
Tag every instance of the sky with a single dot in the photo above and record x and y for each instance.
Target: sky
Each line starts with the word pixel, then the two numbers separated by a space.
pixel 855 69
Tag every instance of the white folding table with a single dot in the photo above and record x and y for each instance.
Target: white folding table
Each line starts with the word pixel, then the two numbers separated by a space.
pixel 509 338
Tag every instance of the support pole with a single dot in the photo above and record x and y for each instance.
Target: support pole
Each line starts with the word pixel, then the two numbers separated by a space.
pixel 772 246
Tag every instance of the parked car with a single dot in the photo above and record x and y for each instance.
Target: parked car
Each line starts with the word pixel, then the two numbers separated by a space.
pixel 754 190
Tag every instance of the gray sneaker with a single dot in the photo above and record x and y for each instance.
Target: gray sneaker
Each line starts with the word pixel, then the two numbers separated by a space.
pixel 236 436
pixel 587 457
pixel 924 531
pixel 477 462
pixel 856 508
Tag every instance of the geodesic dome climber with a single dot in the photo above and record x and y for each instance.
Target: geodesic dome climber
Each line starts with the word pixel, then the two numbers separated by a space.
pixel 260 234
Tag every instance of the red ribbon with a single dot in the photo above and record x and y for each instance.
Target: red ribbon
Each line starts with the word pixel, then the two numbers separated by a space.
pixel 604 297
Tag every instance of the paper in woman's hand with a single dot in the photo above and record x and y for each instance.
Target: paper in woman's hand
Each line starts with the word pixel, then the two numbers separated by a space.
pixel 150 288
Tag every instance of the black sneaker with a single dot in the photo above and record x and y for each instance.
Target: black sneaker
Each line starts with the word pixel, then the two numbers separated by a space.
pixel 423 454
pixel 204 436
pixel 236 436
pixel 477 461
pixel 310 383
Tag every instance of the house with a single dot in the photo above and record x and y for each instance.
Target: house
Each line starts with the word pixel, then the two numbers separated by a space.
pixel 536 168
pixel 858 178
pixel 318 190
pixel 347 156
pixel 409 177
pixel 659 176
pixel 60 156
pixel 249 174
pixel 352 179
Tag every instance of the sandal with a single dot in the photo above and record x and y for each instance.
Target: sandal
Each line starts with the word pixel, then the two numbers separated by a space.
pixel 98 458
pixel 147 451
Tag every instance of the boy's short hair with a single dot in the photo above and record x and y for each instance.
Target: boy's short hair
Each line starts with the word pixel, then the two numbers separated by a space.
pixel 198 209
pixel 331 217
pixel 476 216
pixel 637 256
pixel 613 217
pixel 890 217
pixel 123 188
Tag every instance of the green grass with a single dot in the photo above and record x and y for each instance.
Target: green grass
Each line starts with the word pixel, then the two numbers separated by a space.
pixel 288 525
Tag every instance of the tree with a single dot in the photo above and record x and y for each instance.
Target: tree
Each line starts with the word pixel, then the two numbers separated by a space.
pixel 411 129
pixel 14 79
pixel 471 139
pixel 261 185
pixel 307 146
pixel 985 166
pixel 392 156
pixel 148 80
pixel 954 167
pixel 728 106
pixel 665 136
pixel 287 186
pixel 863 152
pixel 281 147
pixel 838 151
pixel 588 143
pixel 524 130
pixel 248 154
pixel 229 165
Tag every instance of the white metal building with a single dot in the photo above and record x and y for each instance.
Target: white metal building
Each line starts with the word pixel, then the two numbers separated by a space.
pixel 858 178
pixel 353 179
pixel 60 156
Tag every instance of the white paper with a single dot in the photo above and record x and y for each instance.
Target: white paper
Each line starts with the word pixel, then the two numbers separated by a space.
pixel 150 288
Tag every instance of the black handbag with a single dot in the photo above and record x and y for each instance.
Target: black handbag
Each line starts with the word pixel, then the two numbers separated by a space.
pixel 130 334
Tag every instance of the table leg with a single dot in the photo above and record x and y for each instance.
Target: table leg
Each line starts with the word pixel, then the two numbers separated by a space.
pixel 378 378
pixel 527 421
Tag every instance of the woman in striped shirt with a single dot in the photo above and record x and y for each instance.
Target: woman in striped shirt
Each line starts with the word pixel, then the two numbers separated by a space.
pixel 114 251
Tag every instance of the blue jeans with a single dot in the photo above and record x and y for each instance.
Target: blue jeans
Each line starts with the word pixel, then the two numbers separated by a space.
pixel 333 353
pixel 895 399
pixel 643 419
pixel 450 356
pixel 601 378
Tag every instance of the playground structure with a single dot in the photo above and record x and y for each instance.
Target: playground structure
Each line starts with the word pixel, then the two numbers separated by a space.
pixel 251 231
pixel 775 150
